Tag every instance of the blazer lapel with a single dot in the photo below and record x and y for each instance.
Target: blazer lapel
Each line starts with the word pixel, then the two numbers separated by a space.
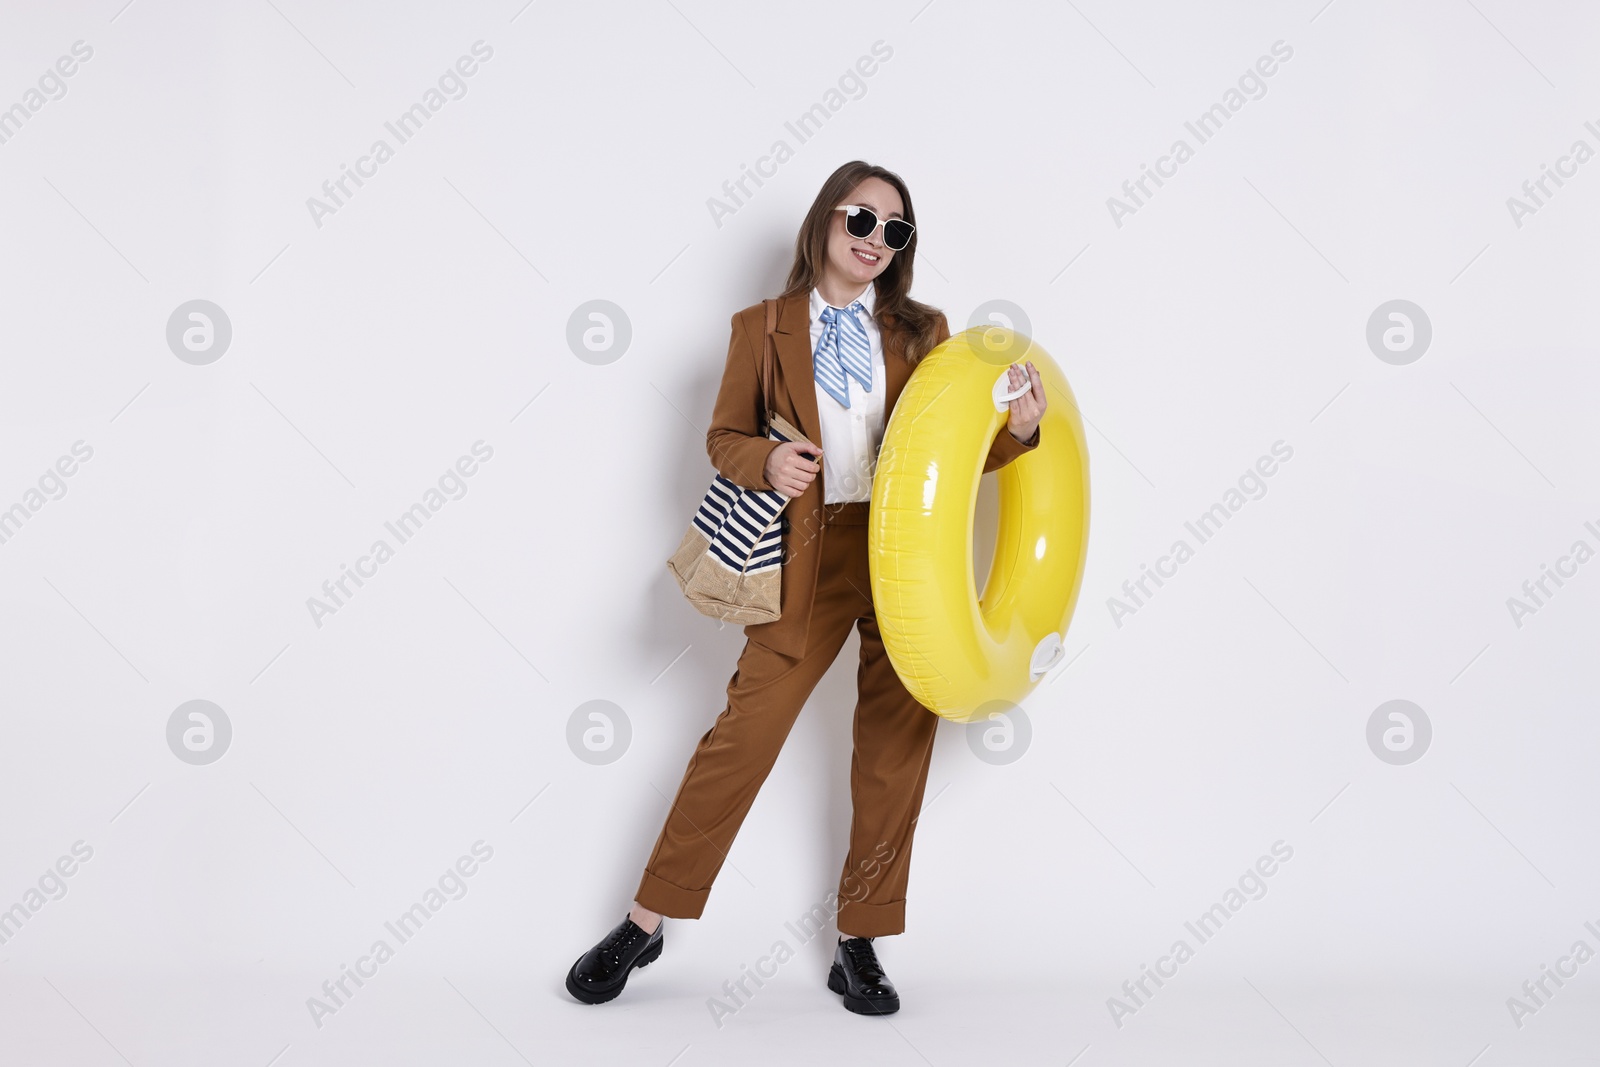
pixel 792 336
pixel 896 371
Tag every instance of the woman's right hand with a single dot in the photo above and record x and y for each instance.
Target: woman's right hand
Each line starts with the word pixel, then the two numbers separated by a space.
pixel 788 470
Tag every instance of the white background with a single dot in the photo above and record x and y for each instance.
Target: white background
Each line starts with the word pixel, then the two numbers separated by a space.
pixel 430 312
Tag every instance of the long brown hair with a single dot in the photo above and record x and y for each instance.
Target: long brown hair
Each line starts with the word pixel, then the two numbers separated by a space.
pixel 895 311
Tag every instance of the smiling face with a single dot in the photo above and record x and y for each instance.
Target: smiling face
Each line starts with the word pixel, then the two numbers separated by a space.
pixel 855 261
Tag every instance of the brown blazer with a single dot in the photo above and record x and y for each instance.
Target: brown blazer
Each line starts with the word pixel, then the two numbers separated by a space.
pixel 739 451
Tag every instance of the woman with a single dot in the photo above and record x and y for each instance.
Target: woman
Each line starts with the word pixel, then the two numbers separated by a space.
pixel 847 336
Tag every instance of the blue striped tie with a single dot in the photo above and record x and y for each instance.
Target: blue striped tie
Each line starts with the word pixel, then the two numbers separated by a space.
pixel 843 349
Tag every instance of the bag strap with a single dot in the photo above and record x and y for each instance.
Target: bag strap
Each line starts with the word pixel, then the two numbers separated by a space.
pixel 768 358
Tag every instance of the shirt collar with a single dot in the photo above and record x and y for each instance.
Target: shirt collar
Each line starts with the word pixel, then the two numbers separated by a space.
pixel 867 299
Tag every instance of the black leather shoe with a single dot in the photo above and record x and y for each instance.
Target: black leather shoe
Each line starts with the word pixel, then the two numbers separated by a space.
pixel 600 973
pixel 857 974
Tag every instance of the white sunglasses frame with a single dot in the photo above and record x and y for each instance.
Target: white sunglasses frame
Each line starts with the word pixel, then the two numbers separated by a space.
pixel 853 208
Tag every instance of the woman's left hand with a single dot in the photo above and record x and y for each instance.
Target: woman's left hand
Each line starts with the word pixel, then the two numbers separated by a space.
pixel 1027 409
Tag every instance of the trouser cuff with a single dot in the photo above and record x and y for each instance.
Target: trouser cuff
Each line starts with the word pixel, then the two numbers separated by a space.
pixel 673 901
pixel 869 920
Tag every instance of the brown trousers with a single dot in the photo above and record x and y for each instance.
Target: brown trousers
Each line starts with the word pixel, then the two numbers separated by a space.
pixel 893 740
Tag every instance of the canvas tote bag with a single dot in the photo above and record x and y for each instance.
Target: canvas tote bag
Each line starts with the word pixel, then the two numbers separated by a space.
pixel 730 561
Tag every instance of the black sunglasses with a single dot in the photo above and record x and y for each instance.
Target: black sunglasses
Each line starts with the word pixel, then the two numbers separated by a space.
pixel 861 221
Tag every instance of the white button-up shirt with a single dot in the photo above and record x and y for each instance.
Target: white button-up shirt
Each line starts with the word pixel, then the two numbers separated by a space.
pixel 851 435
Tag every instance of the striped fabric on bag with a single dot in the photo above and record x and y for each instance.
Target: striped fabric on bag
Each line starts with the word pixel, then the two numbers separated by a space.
pixel 741 525
pixel 728 563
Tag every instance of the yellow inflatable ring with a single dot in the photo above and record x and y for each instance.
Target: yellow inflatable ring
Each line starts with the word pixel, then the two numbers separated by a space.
pixel 962 655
